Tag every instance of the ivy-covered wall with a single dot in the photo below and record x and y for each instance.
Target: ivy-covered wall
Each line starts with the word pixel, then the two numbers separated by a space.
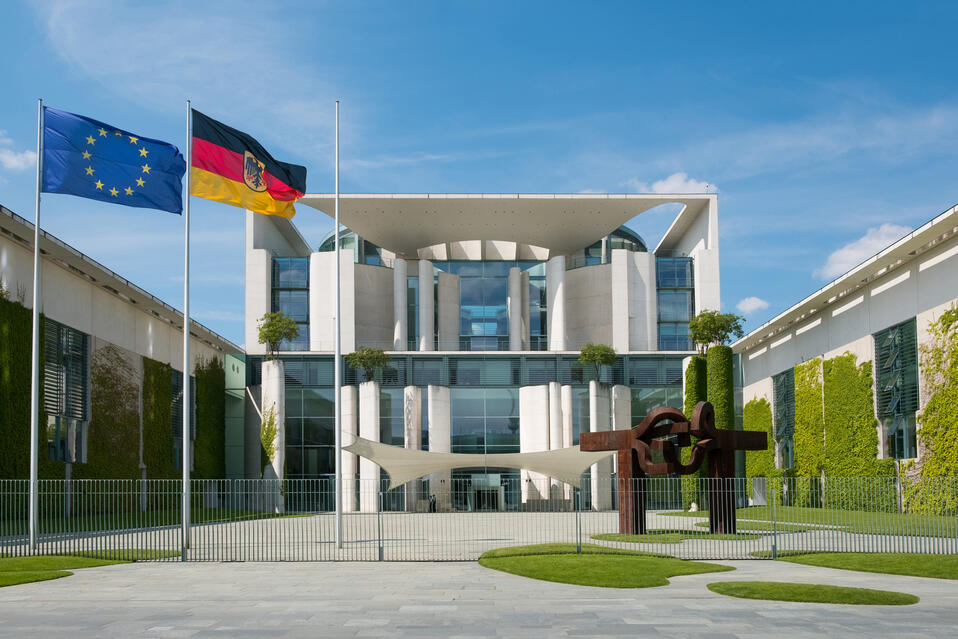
pixel 113 448
pixel 15 347
pixel 757 415
pixel 938 421
pixel 809 420
pixel 209 449
pixel 157 416
pixel 720 393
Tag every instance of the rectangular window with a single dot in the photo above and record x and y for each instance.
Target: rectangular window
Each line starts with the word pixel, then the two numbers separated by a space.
pixel 412 312
pixel 391 417
pixel 676 302
pixel 485 420
pixel 66 391
pixel 896 381
pixel 783 387
pixel 290 296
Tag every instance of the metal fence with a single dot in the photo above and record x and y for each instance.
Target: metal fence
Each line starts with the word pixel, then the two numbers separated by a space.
pixel 271 520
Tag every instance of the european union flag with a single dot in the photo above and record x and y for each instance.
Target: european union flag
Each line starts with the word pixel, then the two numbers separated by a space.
pixel 91 159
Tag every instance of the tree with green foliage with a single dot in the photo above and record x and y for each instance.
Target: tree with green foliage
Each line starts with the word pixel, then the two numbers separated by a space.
pixel 597 355
pixel 274 328
pixel 369 360
pixel 712 328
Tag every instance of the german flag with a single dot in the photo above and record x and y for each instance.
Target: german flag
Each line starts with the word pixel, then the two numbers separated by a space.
pixel 231 167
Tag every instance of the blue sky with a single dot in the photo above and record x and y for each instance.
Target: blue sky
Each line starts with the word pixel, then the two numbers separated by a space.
pixel 828 129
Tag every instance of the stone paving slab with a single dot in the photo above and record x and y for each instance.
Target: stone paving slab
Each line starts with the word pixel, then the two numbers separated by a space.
pixel 459 599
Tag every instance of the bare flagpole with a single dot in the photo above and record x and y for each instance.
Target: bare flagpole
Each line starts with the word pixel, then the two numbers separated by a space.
pixel 337 366
pixel 35 364
pixel 187 404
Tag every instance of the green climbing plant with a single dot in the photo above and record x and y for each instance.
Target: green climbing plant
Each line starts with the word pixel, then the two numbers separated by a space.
pixel 267 434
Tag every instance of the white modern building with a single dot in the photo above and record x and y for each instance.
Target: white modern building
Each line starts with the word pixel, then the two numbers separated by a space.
pixel 91 314
pixel 483 302
pixel 879 311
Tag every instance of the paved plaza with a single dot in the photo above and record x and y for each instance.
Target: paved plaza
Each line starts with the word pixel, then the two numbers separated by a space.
pixel 456 599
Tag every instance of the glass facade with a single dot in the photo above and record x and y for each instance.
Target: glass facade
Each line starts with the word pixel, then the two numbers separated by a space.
pixel 676 302
pixel 66 391
pixel 309 432
pixel 896 380
pixel 291 297
pixel 412 312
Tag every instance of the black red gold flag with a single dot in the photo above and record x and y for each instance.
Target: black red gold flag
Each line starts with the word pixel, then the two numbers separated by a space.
pixel 230 166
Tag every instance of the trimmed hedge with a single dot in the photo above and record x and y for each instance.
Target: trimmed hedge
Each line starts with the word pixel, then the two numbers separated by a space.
pixel 757 415
pixel 696 384
pixel 209 452
pixel 720 392
pixel 157 416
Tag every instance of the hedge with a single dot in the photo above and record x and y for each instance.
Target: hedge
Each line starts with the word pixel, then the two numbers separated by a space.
pixel 15 356
pixel 696 390
pixel 720 392
pixel 851 435
pixel 157 417
pixel 209 452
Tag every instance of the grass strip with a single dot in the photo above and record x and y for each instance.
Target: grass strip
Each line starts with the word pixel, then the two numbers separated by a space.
pixel 908 564
pixel 595 566
pixel 22 570
pixel 761 526
pixel 672 536
pixel 811 593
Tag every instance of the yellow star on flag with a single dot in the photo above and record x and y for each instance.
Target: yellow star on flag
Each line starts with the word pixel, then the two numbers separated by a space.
pixel 89 170
pixel 113 191
pixel 118 133
pixel 99 185
pixel 128 190
pixel 102 133
pixel 133 140
pixel 143 152
pixel 146 168
pixel 140 181
pixel 90 140
pixel 86 155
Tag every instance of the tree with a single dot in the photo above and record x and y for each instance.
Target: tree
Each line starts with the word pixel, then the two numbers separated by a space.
pixel 274 328
pixel 369 360
pixel 597 355
pixel 713 328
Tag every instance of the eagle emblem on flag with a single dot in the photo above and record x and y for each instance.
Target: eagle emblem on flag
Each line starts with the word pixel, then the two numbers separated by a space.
pixel 253 171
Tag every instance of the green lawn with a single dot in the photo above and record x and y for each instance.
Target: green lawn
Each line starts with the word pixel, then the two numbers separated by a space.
pixel 856 521
pixel 22 570
pixel 594 566
pixel 811 593
pixel 762 526
pixel 133 519
pixel 672 536
pixel 911 564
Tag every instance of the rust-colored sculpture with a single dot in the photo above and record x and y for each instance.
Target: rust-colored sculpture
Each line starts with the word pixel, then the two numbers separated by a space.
pixel 635 447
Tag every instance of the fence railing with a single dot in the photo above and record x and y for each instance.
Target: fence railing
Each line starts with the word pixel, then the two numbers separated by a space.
pixel 459 519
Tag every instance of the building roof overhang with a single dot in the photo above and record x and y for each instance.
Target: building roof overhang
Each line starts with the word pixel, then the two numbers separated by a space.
pixel 926 237
pixel 562 223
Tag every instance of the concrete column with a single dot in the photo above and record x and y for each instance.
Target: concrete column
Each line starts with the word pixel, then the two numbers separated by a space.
pixel 259 280
pixel 555 429
pixel 400 329
pixel 426 309
pixel 322 295
pixel 412 437
pixel 556 294
pixel 621 293
pixel 349 424
pixel 448 315
pixel 643 304
pixel 525 327
pixel 273 402
pixel 621 413
pixel 440 441
pixel 368 429
pixel 599 420
pixel 515 309
pixel 565 399
pixel 533 437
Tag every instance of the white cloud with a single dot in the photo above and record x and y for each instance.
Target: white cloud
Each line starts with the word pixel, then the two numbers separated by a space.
pixel 15 160
pixel 676 183
pixel 751 304
pixel 854 253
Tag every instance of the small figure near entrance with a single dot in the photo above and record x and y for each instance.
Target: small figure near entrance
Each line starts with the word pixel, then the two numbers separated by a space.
pixel 432 503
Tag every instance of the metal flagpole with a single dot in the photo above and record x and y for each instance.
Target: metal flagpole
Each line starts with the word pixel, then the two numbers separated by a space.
pixel 35 364
pixel 187 412
pixel 337 367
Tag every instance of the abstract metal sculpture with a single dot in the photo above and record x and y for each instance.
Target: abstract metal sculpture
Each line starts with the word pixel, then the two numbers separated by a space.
pixel 663 430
